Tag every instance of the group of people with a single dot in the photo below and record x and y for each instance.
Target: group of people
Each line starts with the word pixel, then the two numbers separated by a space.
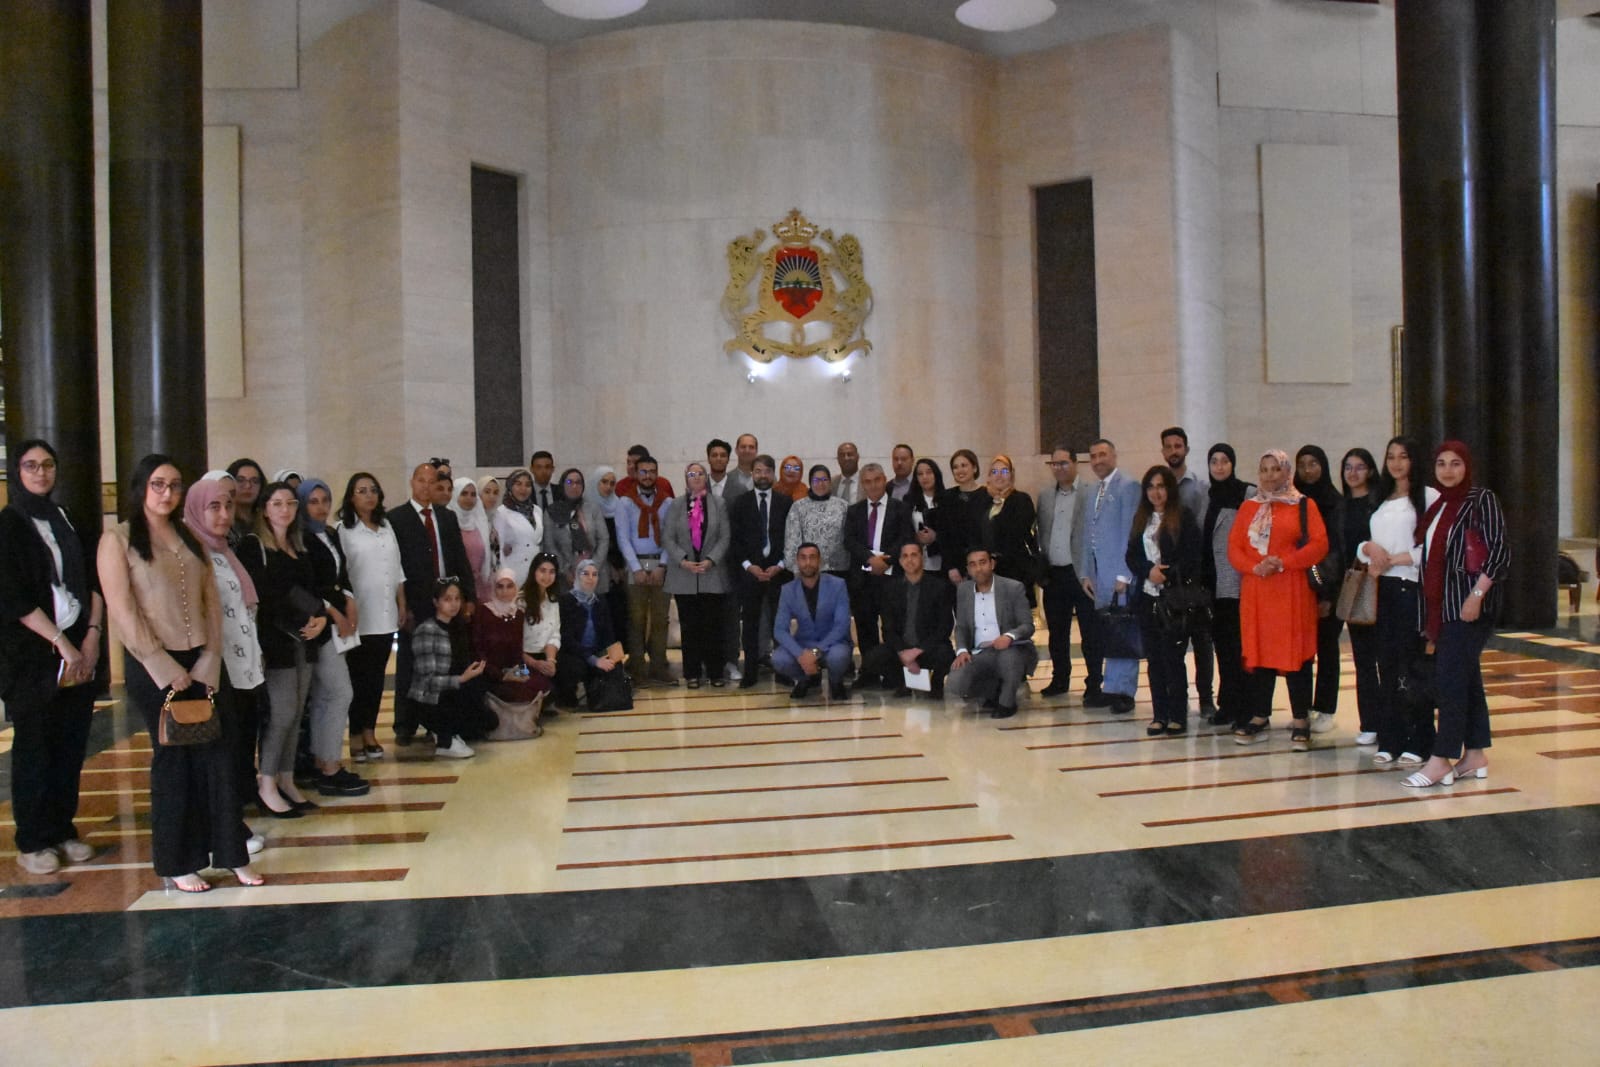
pixel 506 597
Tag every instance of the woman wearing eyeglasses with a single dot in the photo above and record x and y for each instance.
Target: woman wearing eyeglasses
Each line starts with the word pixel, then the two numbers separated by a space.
pixel 163 603
pixel 1356 474
pixel 791 478
pixel 248 480
pixel 819 519
pixel 576 529
pixel 1006 528
pixel 695 542
pixel 50 629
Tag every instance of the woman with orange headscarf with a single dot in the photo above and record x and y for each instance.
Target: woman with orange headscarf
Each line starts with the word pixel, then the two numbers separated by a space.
pixel 1007 527
pixel 791 478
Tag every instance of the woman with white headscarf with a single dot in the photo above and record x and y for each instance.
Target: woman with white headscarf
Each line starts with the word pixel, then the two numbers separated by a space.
pixel 489 494
pixel 475 535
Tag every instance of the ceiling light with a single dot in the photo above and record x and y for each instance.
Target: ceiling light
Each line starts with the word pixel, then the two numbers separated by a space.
pixel 1002 16
pixel 595 9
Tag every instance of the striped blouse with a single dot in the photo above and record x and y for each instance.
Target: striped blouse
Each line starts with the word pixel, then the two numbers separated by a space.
pixel 1480 511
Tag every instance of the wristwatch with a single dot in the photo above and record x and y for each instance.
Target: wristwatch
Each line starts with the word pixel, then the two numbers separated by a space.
pixel 1478 593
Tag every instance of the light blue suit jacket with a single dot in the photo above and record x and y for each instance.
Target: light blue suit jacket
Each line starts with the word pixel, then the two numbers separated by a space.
pixel 830 627
pixel 1103 552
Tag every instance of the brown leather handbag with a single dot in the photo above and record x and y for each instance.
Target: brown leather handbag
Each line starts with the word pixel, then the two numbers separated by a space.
pixel 189 721
pixel 1358 597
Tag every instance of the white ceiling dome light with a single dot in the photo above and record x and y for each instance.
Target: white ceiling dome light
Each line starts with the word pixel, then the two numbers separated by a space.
pixel 1002 16
pixel 595 9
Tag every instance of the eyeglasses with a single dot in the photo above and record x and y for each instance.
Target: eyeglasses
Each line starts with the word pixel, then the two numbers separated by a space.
pixel 1353 467
pixel 365 490
pixel 996 472
pixel 158 487
pixel 793 468
pixel 37 466
pixel 573 481
pixel 821 479
pixel 1054 464
pixel 694 474
pixel 242 480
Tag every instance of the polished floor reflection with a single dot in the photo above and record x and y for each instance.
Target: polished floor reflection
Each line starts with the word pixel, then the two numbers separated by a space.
pixel 722 877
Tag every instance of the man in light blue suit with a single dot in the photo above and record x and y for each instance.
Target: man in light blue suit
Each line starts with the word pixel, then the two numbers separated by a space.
pixel 1103 565
pixel 817 607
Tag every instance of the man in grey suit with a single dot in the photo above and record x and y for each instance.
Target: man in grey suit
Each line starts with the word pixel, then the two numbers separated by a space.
pixel 1062 515
pixel 1103 566
pixel 994 637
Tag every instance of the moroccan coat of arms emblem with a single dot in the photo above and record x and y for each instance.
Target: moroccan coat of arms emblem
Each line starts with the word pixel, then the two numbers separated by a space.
pixel 811 297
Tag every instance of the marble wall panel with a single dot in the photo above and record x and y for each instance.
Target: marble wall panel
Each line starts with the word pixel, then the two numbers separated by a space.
pixel 1578 276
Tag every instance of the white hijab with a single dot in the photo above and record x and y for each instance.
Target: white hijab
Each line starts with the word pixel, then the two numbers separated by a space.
pixel 470 518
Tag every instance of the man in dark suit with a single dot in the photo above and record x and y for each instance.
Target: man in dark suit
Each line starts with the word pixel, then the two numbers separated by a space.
pixel 874 529
pixel 918 612
pixel 430 545
pixel 757 520
pixel 994 637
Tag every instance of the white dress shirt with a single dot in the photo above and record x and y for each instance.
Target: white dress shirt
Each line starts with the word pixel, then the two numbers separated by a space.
pixel 373 559
pixel 985 619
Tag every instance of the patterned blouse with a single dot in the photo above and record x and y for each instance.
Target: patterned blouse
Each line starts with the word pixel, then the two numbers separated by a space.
pixel 431 673
pixel 822 523
pixel 241 649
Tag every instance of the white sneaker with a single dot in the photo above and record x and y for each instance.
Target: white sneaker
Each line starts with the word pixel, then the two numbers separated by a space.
pixel 45 861
pixel 457 749
pixel 255 844
pixel 1321 722
pixel 732 673
pixel 77 851
pixel 1367 737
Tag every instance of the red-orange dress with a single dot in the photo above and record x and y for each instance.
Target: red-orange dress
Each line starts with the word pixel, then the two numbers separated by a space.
pixel 1277 614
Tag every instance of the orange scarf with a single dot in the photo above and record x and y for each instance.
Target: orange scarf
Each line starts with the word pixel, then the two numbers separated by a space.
pixel 649 514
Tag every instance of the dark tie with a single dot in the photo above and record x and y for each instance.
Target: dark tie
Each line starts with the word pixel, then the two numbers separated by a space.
pixel 872 526
pixel 544 498
pixel 433 541
pixel 766 532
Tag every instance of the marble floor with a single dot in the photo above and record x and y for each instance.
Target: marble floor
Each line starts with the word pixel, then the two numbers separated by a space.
pixel 723 877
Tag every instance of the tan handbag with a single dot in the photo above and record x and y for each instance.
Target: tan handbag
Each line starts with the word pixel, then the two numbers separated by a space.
pixel 190 721
pixel 1358 597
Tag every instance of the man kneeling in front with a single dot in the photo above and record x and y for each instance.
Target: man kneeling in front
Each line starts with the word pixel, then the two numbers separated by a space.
pixel 994 638
pixel 811 628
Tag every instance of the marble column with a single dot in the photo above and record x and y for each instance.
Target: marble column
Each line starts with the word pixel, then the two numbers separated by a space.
pixel 1518 262
pixel 157 249
pixel 1436 54
pixel 47 295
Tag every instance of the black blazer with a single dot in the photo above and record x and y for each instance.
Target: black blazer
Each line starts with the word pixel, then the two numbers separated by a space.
pixel 744 520
pixel 894 517
pixel 332 576
pixel 572 620
pixel 960 525
pixel 28 663
pixel 1183 560
pixel 417 561
pixel 276 575
pixel 936 612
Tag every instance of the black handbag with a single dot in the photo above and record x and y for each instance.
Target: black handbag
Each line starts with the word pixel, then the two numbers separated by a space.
pixel 1183 609
pixel 609 690
pixel 1324 576
pixel 1119 630
pixel 1418 684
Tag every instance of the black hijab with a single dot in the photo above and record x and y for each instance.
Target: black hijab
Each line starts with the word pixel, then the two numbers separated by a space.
pixel 1323 492
pixel 1227 493
pixel 74 576
pixel 810 492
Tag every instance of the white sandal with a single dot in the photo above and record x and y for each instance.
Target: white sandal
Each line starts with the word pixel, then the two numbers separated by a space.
pixel 1422 781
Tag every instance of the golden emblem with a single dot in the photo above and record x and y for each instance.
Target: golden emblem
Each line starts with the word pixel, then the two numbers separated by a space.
pixel 801 309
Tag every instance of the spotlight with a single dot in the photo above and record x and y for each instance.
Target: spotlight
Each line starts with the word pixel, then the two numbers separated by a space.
pixel 844 376
pixel 752 378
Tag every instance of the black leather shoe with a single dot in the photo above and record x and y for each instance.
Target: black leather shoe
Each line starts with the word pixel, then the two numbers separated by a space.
pixel 1094 698
pixel 1121 705
pixel 902 693
pixel 989 706
pixel 748 681
pixel 1002 712
pixel 801 688
pixel 1055 689
pixel 839 692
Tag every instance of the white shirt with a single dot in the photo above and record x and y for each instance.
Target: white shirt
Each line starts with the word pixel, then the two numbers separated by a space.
pixel 1152 551
pixel 373 558
pixel 241 648
pixel 985 620
pixel 539 632
pixel 875 530
pixel 1393 528
pixel 717 486
pixel 65 604
pixel 848 488
pixel 519 540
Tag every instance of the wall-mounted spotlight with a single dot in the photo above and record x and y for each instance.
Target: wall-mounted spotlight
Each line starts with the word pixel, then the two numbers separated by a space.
pixel 844 376
pixel 752 377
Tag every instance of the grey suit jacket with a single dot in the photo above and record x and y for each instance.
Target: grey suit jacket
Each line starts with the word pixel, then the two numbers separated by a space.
pixel 1045 516
pixel 676 547
pixel 1010 608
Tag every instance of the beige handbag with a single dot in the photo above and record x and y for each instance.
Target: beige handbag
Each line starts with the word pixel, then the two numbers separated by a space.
pixel 1358 597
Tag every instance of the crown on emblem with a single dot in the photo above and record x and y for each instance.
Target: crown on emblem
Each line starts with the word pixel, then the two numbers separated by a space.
pixel 795 227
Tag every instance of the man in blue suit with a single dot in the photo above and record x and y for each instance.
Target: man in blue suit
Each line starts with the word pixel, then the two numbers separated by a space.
pixel 1103 566
pixel 818 608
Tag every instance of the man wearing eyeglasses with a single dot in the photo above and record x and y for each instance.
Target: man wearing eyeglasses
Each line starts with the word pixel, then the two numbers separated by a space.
pixel 1061 517
pixel 429 539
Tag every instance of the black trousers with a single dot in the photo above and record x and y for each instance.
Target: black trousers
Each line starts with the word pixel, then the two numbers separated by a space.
pixel 1233 686
pixel 700 624
pixel 1463 706
pixel 195 814
pixel 405 709
pixel 1325 698
pixel 866 608
pixel 1264 680
pixel 883 665
pixel 460 713
pixel 1169 687
pixel 1204 659
pixel 50 737
pixel 1369 694
pixel 756 601
pixel 1402 725
pixel 241 732
pixel 368 663
pixel 1064 597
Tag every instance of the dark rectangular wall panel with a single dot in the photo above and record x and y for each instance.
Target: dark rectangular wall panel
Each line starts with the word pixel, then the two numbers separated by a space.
pixel 1069 360
pixel 497 318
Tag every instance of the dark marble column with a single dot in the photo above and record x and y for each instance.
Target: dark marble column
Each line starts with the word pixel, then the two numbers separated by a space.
pixel 1518 261
pixel 47 295
pixel 157 250
pixel 1436 56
